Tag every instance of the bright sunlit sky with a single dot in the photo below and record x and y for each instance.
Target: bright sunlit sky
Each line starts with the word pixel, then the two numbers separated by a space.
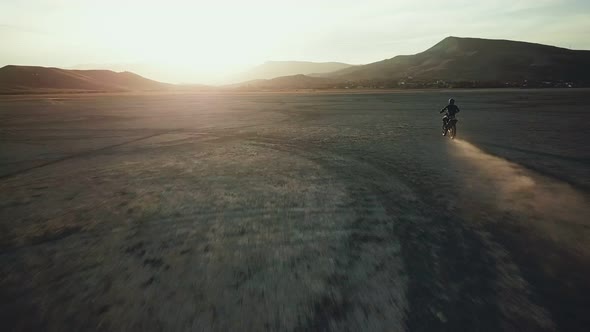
pixel 206 41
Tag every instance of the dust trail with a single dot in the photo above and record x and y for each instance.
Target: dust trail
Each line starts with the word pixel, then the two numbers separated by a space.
pixel 558 211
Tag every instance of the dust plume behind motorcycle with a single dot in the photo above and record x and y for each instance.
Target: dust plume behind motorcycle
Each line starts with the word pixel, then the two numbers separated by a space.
pixel 558 210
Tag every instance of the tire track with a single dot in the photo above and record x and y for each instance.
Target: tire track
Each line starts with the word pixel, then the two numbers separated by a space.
pixel 370 235
pixel 453 275
pixel 80 155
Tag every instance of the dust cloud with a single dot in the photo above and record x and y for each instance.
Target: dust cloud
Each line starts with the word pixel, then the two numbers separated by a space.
pixel 554 208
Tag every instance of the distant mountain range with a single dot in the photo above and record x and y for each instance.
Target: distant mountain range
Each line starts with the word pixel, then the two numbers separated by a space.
pixel 453 62
pixel 23 79
pixel 288 82
pixel 273 69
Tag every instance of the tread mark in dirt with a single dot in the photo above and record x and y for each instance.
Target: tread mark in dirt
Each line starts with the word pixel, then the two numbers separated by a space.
pixel 81 154
pixel 451 276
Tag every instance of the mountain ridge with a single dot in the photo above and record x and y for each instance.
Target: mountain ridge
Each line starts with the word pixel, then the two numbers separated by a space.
pixel 478 59
pixel 14 78
pixel 274 69
pixel 452 62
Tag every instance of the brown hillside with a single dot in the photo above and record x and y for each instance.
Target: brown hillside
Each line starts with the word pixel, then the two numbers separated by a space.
pixel 473 59
pixel 33 78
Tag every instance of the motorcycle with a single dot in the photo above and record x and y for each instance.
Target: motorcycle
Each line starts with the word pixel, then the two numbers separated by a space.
pixel 450 126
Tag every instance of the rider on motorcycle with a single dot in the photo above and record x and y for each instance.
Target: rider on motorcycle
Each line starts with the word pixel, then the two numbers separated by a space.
pixel 451 110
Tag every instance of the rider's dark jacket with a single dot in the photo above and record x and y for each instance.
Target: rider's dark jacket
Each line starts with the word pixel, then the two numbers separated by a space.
pixel 452 109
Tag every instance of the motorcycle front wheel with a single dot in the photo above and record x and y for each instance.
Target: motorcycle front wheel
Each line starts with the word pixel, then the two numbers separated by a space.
pixel 453 131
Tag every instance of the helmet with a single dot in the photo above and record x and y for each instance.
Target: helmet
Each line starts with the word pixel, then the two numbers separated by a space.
pixel 452 101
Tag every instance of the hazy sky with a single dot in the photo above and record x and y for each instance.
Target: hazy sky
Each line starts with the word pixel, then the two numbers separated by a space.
pixel 204 41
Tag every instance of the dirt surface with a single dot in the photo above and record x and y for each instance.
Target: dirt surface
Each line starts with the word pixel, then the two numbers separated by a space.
pixel 290 212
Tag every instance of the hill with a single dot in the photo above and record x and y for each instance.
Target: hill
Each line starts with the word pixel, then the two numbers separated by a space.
pixel 273 69
pixel 288 83
pixel 24 79
pixel 473 59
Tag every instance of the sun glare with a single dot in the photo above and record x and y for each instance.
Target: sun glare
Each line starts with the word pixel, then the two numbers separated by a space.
pixel 205 35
